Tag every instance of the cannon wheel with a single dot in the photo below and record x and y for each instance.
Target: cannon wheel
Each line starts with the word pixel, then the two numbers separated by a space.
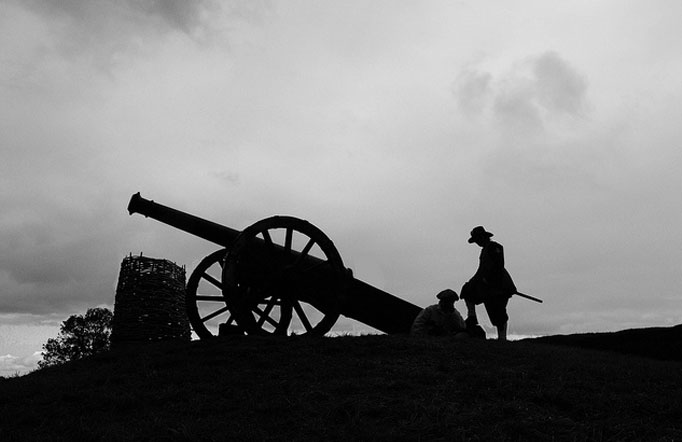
pixel 278 286
pixel 206 304
pixel 204 300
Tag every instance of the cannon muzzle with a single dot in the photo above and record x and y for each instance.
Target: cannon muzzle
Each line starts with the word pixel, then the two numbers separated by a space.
pixel 191 224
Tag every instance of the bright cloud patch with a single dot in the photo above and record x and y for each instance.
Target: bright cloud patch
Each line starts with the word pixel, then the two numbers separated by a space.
pixel 531 93
pixel 13 365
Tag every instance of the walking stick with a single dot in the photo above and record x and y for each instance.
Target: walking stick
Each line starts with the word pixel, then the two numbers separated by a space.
pixel 523 295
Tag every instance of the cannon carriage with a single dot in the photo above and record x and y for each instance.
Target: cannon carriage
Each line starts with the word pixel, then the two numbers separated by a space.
pixel 281 275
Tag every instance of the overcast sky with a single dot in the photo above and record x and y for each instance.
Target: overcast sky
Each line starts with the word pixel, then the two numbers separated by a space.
pixel 394 126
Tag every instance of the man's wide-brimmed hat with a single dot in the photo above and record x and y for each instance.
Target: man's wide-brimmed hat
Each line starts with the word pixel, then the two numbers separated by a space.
pixel 479 232
pixel 448 294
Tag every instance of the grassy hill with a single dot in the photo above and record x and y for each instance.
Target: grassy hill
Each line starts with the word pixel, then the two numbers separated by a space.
pixel 348 388
pixel 663 343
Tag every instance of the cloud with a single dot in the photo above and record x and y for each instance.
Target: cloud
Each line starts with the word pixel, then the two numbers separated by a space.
pixel 528 122
pixel 558 87
pixel 105 16
pixel 533 93
pixel 11 365
pixel 105 32
pixel 67 161
pixel 50 257
pixel 516 107
pixel 472 89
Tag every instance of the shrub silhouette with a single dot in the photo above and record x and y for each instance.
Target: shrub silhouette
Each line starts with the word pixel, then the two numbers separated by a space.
pixel 79 336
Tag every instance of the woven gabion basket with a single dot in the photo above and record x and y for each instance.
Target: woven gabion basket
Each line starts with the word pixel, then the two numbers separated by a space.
pixel 150 302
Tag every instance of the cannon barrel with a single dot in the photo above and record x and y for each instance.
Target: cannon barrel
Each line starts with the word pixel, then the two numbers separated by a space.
pixel 191 224
pixel 361 302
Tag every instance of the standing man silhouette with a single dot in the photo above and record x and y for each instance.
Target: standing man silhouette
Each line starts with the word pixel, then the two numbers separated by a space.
pixel 491 285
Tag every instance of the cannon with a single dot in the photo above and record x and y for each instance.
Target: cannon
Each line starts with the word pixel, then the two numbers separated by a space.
pixel 281 276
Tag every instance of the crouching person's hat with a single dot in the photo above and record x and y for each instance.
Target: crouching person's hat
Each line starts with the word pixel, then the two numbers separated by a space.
pixel 448 295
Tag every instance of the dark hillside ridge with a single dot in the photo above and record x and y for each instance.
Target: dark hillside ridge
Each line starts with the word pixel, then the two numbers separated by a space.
pixel 663 343
pixel 378 388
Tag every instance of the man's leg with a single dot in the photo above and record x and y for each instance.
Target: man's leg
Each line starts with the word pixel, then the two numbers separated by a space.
pixel 470 295
pixel 497 312
pixel 502 331
pixel 471 311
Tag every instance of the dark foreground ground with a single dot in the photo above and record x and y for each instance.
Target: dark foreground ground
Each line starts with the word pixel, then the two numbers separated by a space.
pixel 351 388
pixel 664 343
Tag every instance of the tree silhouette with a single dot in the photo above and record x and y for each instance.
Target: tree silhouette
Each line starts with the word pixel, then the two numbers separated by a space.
pixel 79 336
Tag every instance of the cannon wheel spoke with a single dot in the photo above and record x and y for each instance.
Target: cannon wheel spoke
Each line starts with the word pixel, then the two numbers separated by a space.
pixel 284 262
pixel 264 313
pixel 304 253
pixel 212 280
pixel 218 312
pixel 288 239
pixel 264 317
pixel 213 298
pixel 302 316
pixel 274 317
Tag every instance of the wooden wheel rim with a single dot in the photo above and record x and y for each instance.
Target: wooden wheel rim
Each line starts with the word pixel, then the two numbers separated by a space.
pixel 289 304
pixel 209 271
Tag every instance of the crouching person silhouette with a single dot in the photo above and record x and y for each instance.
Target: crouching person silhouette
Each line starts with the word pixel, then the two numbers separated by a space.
pixel 491 285
pixel 440 319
